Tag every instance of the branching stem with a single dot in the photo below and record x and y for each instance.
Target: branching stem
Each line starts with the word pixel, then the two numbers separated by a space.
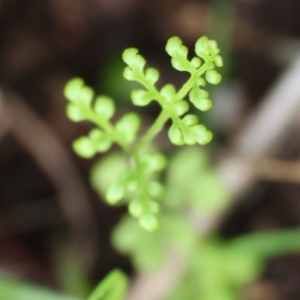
pixel 153 130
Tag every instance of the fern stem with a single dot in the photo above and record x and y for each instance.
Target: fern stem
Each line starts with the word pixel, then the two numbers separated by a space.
pixel 192 80
pixel 153 130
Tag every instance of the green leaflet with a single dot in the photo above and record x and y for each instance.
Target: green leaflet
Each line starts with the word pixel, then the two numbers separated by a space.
pixel 104 107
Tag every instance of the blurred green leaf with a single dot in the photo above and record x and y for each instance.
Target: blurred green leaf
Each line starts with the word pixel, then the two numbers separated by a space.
pixel 113 287
pixel 192 181
pixel 264 245
pixel 14 290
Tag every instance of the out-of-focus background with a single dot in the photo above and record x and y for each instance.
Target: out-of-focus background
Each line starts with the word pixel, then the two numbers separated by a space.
pixel 47 207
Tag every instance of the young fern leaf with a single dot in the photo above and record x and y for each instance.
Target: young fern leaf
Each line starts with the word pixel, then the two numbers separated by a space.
pixel 139 184
pixel 100 111
pixel 173 104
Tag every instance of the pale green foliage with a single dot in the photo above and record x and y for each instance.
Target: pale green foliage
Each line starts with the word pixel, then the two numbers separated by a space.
pixel 219 269
pixel 149 251
pixel 190 183
pixel 198 182
pixel 14 290
pixel 139 184
pixel 113 287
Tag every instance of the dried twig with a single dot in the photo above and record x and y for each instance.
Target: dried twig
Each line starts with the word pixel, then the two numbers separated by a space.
pixel 46 149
